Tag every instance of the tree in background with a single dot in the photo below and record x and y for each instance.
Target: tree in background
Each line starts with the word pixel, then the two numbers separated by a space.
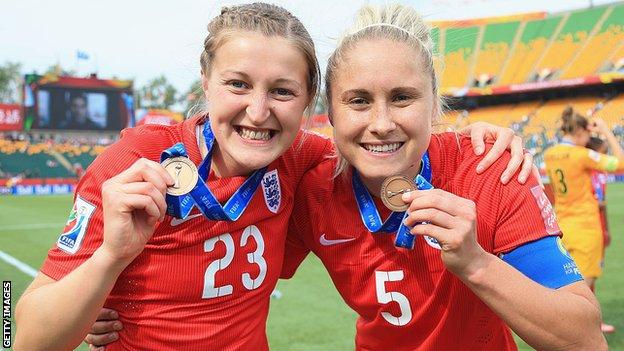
pixel 58 70
pixel 10 82
pixel 193 100
pixel 158 93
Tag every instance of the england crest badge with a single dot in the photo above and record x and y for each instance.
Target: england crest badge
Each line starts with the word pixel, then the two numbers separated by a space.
pixel 76 226
pixel 272 191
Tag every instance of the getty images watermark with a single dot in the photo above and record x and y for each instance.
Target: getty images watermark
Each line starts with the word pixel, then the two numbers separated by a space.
pixel 6 314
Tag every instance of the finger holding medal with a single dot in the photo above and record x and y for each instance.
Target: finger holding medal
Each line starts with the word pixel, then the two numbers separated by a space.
pixel 133 202
pixel 449 219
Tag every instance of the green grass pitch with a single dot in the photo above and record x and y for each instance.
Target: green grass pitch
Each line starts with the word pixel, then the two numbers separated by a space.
pixel 310 315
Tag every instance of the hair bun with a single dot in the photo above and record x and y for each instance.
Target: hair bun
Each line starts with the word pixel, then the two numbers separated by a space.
pixel 567 113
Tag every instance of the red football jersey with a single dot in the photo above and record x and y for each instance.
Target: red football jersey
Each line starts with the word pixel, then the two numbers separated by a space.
pixel 199 284
pixel 406 299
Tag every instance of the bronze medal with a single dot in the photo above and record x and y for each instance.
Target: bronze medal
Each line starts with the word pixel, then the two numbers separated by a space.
pixel 184 173
pixel 392 189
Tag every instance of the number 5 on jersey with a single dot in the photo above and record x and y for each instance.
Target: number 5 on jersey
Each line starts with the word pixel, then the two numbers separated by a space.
pixel 384 297
pixel 210 290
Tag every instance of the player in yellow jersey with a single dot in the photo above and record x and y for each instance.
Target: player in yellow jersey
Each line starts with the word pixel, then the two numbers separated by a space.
pixel 569 165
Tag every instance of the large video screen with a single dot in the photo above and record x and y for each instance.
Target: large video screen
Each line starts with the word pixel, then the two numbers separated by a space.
pixel 83 104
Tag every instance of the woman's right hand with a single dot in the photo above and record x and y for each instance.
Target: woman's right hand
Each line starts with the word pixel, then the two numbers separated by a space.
pixel 452 221
pixel 133 202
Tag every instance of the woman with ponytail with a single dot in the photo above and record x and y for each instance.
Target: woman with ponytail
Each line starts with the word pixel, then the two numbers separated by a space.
pixel 570 165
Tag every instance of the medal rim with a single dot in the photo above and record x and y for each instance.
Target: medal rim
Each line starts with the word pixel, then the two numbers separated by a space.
pixel 384 196
pixel 194 175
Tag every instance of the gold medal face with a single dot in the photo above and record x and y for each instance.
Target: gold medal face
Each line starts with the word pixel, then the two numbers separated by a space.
pixel 184 174
pixel 392 189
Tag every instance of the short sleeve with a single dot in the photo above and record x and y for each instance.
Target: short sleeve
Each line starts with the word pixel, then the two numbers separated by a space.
pixel 524 214
pixel 509 215
pixel 601 162
pixel 83 231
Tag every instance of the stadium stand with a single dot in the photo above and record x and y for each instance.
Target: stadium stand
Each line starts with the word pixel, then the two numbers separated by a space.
pixel 612 111
pixel 45 159
pixel 616 60
pixel 528 49
pixel 497 41
pixel 599 46
pixel 30 161
pixel 576 30
pixel 568 58
pixel 500 52
pixel 459 48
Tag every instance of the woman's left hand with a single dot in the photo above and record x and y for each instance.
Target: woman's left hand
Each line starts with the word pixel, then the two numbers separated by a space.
pixel 503 138
pixel 452 221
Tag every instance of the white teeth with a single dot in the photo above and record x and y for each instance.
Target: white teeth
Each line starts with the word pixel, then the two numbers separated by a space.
pixel 254 135
pixel 382 148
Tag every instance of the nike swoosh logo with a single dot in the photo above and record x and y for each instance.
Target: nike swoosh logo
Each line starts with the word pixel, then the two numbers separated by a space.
pixel 178 221
pixel 329 242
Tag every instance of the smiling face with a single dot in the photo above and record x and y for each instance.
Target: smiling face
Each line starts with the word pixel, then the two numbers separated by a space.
pixel 382 105
pixel 257 92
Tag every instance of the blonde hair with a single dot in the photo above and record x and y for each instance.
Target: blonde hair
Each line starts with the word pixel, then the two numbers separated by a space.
pixel 268 20
pixel 392 22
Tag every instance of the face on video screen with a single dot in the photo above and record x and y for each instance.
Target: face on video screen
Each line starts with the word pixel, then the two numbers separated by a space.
pixel 84 111
pixel 77 110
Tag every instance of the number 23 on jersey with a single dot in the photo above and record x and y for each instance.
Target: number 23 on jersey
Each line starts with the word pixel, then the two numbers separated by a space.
pixel 256 258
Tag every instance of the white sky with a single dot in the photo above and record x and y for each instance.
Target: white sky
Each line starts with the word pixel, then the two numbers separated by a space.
pixel 141 39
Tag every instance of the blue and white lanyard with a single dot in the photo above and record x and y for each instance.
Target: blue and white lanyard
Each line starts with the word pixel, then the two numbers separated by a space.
pixel 201 196
pixel 394 223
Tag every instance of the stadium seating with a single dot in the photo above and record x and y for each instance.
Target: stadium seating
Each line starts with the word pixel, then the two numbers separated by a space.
pixel 616 61
pixel 612 111
pixel 573 35
pixel 528 49
pixel 503 51
pixel 599 46
pixel 458 51
pixel 496 44
pixel 44 160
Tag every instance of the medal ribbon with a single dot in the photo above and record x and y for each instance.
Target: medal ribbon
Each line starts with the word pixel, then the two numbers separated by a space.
pixel 394 223
pixel 201 196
